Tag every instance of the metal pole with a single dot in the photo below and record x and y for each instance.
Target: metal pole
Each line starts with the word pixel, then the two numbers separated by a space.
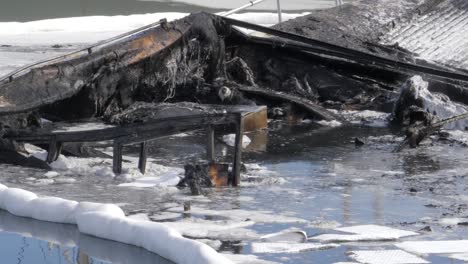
pixel 278 4
pixel 252 3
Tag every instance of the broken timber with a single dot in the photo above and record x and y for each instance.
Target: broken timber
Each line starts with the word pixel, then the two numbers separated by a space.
pixel 141 133
pixel 305 104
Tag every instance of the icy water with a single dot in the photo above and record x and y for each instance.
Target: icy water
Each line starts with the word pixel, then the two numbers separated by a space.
pixel 28 10
pixel 310 178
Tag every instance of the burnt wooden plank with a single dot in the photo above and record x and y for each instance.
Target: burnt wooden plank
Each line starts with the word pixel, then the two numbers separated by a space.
pixel 236 168
pixel 307 105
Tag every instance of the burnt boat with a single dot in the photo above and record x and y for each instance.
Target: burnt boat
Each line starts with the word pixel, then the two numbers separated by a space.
pixel 305 65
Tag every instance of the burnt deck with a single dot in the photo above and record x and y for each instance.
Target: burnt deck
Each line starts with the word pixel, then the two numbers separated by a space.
pixel 243 118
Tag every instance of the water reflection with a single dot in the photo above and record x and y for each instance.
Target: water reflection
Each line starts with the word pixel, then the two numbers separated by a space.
pixel 29 241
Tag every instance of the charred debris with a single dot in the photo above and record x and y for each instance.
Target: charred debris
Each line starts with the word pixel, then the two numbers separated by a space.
pixel 330 59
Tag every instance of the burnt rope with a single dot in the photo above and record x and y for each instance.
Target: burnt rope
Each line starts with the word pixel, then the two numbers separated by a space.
pixel 87 49
pixel 424 132
pixel 325 48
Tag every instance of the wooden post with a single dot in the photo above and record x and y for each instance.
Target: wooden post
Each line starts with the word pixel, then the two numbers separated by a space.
pixel 238 151
pixel 54 150
pixel 143 157
pixel 210 147
pixel 117 157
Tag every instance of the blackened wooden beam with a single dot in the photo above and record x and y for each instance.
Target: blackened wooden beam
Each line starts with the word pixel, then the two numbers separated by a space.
pixel 117 157
pixel 54 149
pixel 143 157
pixel 210 146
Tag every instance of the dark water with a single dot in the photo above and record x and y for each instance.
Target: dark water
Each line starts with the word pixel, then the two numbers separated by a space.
pixel 328 179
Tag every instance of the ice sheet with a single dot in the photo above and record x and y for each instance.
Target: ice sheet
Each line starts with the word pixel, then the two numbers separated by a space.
pixel 81 30
pixel 247 259
pixel 261 247
pixel 200 228
pixel 242 215
pixel 386 257
pixel 288 236
pixel 460 256
pixel 162 181
pixel 435 247
pixel 364 233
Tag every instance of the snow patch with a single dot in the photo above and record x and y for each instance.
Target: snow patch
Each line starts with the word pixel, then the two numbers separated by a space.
pixel 156 175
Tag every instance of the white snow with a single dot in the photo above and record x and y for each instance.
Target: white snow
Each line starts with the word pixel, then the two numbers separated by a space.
pixel 156 175
pixel 231 140
pixel 262 247
pixel 386 257
pixel 108 221
pixel 435 247
pixel 364 233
